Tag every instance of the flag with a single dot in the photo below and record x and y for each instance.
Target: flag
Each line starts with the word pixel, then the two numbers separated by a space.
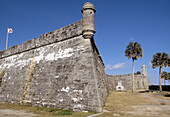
pixel 10 30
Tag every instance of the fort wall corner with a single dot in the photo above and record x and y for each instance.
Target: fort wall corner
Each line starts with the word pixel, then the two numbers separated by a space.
pixel 61 69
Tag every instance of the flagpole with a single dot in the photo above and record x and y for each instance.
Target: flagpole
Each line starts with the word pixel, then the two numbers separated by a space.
pixel 7 40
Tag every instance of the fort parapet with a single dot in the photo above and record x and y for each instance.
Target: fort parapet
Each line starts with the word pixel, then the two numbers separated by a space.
pixel 56 36
pixel 60 69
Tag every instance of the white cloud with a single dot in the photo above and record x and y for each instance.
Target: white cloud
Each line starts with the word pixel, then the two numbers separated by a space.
pixel 131 38
pixel 116 66
pixel 149 64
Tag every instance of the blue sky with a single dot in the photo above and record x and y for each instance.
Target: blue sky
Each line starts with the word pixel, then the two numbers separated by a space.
pixel 117 22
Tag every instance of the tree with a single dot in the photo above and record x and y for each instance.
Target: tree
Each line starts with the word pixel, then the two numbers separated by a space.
pixel 138 73
pixel 166 76
pixel 160 60
pixel 134 51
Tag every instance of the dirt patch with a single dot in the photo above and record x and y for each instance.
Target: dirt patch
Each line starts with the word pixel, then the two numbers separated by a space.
pixel 15 113
pixel 146 104
pixel 160 107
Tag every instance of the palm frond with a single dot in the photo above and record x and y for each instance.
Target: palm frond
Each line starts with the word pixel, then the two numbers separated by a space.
pixel 165 75
pixel 134 50
pixel 160 60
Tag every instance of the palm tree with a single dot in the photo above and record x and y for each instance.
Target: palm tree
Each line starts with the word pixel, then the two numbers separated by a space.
pixel 160 60
pixel 168 77
pixel 134 51
pixel 165 76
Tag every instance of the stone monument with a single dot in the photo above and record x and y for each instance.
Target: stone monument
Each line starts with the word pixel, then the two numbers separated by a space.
pixel 120 87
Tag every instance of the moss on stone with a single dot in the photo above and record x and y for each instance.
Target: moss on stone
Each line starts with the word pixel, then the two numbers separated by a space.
pixel 25 95
pixel 1 75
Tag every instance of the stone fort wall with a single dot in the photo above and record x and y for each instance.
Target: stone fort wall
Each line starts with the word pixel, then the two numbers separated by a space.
pixel 140 81
pixel 60 69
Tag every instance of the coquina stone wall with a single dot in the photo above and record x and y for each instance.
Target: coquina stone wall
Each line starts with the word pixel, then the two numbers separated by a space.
pixel 141 81
pixel 60 69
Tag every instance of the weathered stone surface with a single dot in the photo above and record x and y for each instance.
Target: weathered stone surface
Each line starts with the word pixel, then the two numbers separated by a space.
pixel 61 34
pixel 60 69
pixel 141 82
pixel 67 74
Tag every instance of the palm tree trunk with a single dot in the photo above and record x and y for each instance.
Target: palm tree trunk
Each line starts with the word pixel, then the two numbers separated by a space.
pixel 133 88
pixel 160 87
pixel 164 81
